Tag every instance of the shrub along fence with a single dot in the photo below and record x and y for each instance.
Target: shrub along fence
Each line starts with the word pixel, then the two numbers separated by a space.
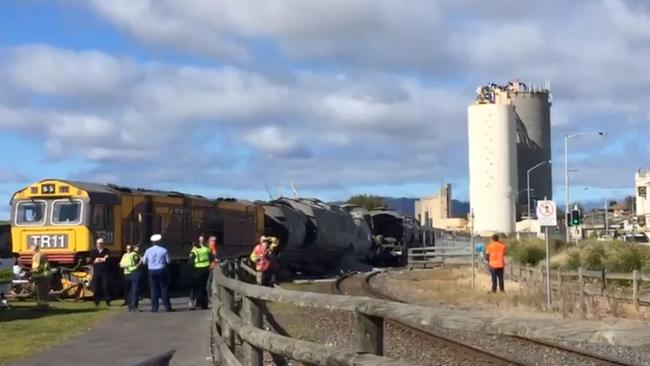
pixel 238 311
pixel 614 287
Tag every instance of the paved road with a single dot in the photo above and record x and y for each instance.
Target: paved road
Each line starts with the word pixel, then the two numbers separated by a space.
pixel 129 338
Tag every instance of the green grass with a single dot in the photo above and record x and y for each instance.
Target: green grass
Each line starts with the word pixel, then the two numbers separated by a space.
pixel 26 330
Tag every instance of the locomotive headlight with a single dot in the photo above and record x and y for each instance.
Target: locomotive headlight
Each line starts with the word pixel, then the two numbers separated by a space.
pixel 47 189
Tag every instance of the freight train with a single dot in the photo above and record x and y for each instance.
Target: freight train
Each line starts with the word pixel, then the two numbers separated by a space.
pixel 65 217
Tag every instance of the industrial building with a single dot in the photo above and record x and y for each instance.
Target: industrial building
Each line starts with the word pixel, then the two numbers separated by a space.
pixel 509 134
pixel 642 187
pixel 436 211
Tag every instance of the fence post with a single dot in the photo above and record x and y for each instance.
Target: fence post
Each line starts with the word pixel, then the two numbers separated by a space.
pixel 228 300
pixel 237 270
pixel 253 356
pixel 216 320
pixel 581 284
pixel 603 276
pixel 369 332
pixel 635 289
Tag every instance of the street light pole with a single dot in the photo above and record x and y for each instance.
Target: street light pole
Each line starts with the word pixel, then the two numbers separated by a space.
pixel 606 212
pixel 528 182
pixel 566 186
pixel 566 174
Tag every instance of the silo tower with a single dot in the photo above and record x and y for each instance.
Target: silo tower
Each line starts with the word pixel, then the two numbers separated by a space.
pixel 509 133
pixel 533 109
pixel 492 162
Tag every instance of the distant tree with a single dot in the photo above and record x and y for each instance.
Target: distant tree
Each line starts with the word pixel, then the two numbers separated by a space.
pixel 367 201
pixel 612 203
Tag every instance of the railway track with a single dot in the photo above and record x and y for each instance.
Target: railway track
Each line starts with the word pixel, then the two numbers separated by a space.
pixel 486 356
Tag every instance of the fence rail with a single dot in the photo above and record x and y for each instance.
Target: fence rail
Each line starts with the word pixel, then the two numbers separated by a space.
pixel 238 311
pixel 425 256
pixel 587 282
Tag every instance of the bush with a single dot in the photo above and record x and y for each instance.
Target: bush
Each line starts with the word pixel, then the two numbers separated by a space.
pixel 529 252
pixel 613 256
pixel 573 260
pixel 558 245
pixel 622 257
pixel 592 256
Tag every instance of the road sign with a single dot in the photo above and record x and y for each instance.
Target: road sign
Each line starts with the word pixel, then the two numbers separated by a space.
pixel 546 213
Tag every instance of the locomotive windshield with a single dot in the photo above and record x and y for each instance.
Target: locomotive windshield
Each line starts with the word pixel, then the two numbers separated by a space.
pixel 48 212
pixel 66 212
pixel 30 213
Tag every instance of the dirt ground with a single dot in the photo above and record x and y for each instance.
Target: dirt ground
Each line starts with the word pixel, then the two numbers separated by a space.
pixel 452 286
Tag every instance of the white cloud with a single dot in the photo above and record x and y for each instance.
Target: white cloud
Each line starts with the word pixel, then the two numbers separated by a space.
pixel 272 140
pixel 172 118
pixel 52 71
pixel 380 93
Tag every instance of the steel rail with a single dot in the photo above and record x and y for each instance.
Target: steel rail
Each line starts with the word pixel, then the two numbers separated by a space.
pixel 571 350
pixel 365 283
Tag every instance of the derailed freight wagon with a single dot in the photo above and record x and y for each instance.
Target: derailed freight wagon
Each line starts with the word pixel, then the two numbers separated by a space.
pixel 316 236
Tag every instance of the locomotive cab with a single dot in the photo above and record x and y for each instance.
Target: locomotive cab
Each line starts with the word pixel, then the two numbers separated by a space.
pixel 63 219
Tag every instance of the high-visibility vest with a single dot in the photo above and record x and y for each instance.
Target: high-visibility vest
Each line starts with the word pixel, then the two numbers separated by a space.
pixel 40 265
pixel 201 257
pixel 213 249
pixel 497 253
pixel 135 259
pixel 257 254
pixel 129 262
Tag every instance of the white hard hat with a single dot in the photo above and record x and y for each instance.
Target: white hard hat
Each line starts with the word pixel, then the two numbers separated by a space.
pixel 156 237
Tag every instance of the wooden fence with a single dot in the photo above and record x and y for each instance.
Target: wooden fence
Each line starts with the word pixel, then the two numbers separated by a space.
pixel 238 312
pixel 587 283
pixel 426 256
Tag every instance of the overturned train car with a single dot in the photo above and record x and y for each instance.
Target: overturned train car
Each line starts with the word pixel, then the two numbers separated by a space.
pixel 315 236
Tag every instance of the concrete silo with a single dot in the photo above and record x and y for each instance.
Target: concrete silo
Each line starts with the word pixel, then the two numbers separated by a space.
pixel 492 164
pixel 533 109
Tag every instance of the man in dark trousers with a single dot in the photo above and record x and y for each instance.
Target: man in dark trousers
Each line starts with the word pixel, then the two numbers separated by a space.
pixel 495 254
pixel 200 258
pixel 156 258
pixel 101 273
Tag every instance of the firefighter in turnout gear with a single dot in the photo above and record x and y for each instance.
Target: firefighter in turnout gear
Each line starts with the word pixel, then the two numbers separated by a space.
pixel 200 257
pixel 41 276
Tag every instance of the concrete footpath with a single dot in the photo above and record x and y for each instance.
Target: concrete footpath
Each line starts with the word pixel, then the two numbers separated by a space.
pixel 129 338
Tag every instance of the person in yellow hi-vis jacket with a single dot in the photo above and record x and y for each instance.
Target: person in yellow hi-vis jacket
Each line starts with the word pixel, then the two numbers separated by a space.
pixel 41 276
pixel 130 264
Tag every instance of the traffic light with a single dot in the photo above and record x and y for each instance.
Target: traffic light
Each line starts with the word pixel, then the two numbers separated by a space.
pixel 568 219
pixel 575 217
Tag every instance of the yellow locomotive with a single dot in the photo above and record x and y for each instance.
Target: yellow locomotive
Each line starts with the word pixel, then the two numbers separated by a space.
pixel 65 218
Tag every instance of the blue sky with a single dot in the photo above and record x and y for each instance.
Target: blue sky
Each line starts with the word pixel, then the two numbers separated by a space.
pixel 225 97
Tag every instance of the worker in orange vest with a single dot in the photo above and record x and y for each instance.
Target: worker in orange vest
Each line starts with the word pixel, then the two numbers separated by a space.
pixel 212 245
pixel 495 254
pixel 214 261
pixel 256 257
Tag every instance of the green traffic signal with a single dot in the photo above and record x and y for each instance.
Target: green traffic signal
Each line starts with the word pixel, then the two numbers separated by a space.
pixel 575 217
